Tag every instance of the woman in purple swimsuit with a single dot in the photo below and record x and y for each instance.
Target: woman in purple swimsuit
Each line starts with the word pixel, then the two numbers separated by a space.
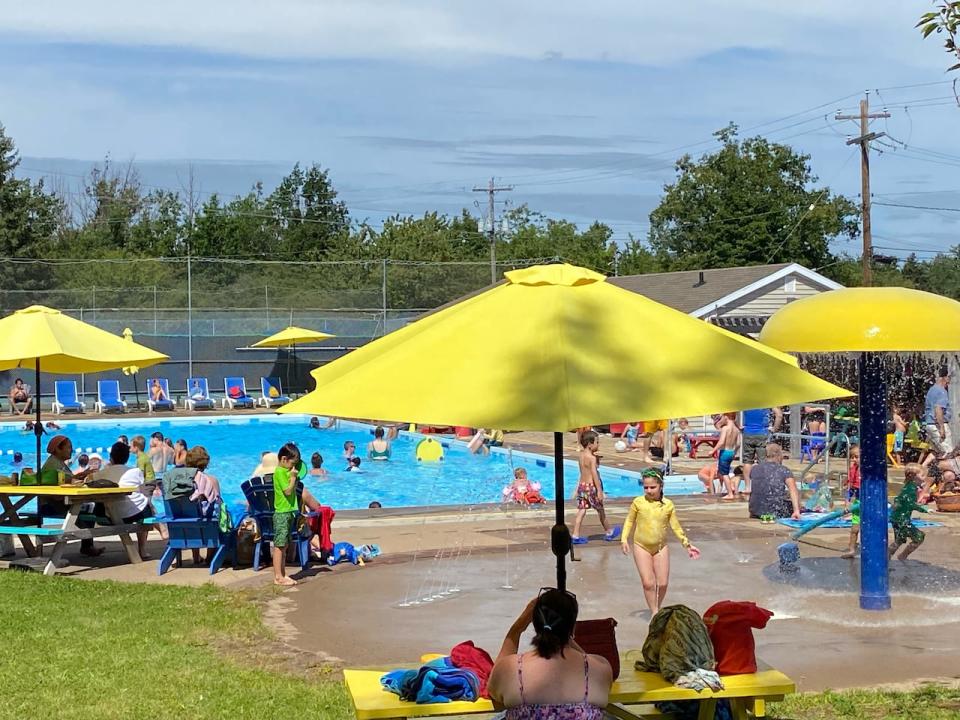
pixel 556 679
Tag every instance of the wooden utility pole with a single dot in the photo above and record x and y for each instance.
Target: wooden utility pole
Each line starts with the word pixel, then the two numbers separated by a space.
pixel 491 191
pixel 863 141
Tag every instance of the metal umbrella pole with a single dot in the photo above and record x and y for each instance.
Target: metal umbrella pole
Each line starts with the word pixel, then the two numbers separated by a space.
pixel 560 541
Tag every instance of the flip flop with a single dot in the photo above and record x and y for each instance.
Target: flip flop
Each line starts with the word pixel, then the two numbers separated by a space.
pixel 613 534
pixel 579 540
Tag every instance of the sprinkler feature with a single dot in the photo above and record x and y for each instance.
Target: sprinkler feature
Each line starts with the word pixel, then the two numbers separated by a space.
pixel 869 321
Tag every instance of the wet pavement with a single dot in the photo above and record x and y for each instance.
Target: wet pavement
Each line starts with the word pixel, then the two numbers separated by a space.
pixel 467 578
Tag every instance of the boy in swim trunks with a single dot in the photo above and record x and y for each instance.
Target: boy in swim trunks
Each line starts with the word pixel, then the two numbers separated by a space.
pixel 899 431
pixel 904 531
pixel 589 493
pixel 728 443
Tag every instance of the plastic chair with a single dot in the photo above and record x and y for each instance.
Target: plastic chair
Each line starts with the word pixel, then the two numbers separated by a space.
pixel 271 392
pixel 239 396
pixel 198 395
pixel 108 397
pixel 190 529
pixel 165 403
pixel 65 397
pixel 259 495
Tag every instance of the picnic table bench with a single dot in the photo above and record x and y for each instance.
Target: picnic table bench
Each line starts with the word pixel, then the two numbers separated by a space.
pixel 30 526
pixel 748 695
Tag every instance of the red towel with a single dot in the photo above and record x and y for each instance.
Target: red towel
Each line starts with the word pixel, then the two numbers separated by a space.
pixel 468 656
pixel 729 624
pixel 320 525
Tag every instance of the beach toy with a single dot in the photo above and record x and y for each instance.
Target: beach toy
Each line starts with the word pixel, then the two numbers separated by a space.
pixel 620 446
pixel 429 450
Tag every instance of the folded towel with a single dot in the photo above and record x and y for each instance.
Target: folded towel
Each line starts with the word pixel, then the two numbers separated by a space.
pixel 435 682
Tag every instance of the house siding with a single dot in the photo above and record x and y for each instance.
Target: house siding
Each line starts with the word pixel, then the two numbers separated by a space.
pixel 767 301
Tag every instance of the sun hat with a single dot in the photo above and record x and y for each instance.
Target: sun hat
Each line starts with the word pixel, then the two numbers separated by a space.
pixel 268 463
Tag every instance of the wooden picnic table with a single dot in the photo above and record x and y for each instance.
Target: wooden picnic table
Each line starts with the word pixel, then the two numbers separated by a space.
pixel 28 525
pixel 748 695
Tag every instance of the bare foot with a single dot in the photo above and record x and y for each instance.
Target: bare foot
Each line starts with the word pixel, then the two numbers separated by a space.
pixel 285 582
pixel 729 497
pixel 848 555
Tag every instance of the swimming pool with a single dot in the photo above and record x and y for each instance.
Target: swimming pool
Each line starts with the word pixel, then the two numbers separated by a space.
pixel 235 444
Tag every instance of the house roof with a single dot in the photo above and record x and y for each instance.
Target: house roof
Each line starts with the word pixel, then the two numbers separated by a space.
pixel 686 292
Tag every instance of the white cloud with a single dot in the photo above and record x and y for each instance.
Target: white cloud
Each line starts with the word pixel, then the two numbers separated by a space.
pixel 638 31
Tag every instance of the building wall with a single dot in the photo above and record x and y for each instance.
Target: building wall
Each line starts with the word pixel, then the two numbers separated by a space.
pixel 768 300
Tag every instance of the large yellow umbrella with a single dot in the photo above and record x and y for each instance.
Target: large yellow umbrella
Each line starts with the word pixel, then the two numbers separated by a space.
pixel 39 335
pixel 556 347
pixel 289 337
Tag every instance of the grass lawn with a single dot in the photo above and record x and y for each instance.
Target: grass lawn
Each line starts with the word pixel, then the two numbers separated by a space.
pixel 99 650
pixel 927 702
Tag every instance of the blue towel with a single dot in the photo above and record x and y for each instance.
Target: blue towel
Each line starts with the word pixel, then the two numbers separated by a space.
pixel 436 682
pixel 840 522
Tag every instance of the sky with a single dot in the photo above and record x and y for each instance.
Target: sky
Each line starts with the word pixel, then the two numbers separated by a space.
pixel 581 108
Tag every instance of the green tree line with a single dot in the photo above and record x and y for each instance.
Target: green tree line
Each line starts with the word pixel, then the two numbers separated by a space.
pixel 749 202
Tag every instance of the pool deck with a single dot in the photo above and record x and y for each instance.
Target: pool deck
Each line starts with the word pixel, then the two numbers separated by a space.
pixel 452 574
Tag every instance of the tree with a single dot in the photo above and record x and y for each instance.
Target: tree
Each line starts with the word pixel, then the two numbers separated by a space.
pixel 945 20
pixel 751 202
pixel 30 221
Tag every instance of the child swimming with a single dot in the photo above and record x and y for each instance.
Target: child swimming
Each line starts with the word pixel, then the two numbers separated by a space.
pixel 648 518
pixel 522 491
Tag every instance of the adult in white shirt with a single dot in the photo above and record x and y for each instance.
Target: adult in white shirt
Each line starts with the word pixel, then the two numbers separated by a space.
pixel 135 506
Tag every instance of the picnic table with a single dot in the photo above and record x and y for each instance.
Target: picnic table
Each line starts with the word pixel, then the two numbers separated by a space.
pixel 748 695
pixel 13 521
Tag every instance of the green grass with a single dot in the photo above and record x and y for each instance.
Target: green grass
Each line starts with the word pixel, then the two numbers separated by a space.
pixel 98 650
pixel 927 702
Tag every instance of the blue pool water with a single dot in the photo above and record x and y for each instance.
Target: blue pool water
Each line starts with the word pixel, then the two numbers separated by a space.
pixel 235 445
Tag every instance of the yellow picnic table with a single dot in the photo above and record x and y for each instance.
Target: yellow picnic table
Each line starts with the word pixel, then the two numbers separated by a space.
pixel 748 695
pixel 26 526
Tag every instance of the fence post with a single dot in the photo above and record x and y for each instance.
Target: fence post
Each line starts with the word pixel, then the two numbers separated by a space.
pixel 266 304
pixel 154 310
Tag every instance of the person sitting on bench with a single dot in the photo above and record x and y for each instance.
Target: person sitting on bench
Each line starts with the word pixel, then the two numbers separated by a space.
pixel 556 676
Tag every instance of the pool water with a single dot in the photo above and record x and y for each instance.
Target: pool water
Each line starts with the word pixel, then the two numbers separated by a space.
pixel 235 445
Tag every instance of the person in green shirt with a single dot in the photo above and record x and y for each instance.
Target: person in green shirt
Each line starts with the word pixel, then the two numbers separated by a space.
pixel 284 510
pixel 904 531
pixel 139 445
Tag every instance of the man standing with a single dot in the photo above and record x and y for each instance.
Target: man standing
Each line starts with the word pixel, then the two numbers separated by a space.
pixel 756 432
pixel 727 446
pixel 937 415
pixel 774 488
pixel 20 400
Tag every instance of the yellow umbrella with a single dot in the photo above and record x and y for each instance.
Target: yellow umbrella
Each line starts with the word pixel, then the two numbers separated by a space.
pixel 40 335
pixel 554 348
pixel 289 337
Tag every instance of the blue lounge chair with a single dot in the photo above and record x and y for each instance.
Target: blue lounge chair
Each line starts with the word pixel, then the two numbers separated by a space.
pixel 235 393
pixel 198 395
pixel 190 529
pixel 271 392
pixel 165 403
pixel 108 397
pixel 65 397
pixel 259 495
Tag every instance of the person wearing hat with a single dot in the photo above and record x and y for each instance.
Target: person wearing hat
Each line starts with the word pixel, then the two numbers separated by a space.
pixel 56 471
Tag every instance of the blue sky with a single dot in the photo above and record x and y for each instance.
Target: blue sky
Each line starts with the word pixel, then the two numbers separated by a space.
pixel 410 104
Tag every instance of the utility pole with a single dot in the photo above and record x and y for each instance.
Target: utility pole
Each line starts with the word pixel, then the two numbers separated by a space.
pixel 863 141
pixel 491 191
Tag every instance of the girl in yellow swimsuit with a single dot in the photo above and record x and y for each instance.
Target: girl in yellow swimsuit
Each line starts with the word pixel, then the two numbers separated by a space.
pixel 646 529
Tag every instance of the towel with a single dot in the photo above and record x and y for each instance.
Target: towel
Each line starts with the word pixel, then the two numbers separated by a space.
pixel 468 656
pixel 700 679
pixel 435 682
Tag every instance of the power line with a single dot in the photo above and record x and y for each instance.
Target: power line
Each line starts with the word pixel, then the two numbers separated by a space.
pixel 918 207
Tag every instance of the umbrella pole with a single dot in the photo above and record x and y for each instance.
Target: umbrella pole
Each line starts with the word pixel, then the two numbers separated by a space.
pixel 560 534
pixel 37 426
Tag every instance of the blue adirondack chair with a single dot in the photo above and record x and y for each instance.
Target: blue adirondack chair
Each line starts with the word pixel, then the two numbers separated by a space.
pixel 259 495
pixel 165 403
pixel 271 392
pixel 235 393
pixel 190 529
pixel 65 397
pixel 198 395
pixel 108 397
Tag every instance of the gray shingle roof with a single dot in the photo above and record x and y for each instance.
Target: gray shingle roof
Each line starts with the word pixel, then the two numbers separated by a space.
pixel 683 291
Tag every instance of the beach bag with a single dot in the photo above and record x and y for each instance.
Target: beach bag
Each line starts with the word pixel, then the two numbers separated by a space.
pixel 677 643
pixel 599 637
